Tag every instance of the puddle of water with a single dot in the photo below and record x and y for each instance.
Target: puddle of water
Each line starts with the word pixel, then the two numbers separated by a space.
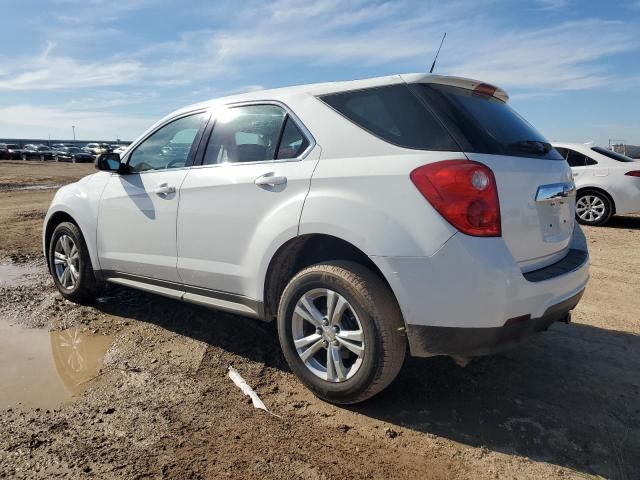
pixel 16 274
pixel 40 369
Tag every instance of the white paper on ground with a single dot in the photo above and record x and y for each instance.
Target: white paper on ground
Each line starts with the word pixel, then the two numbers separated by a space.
pixel 247 390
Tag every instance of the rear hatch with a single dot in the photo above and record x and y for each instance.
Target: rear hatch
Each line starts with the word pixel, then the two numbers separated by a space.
pixel 535 187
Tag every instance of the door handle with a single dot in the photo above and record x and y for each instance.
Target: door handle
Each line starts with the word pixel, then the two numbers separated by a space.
pixel 164 189
pixel 270 180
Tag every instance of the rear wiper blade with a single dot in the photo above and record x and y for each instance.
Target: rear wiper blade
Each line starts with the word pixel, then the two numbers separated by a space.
pixel 535 147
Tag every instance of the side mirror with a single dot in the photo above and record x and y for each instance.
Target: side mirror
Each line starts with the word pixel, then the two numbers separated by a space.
pixel 109 162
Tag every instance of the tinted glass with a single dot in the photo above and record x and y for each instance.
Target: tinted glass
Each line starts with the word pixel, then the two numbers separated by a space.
pixel 614 155
pixel 576 159
pixel 293 142
pixel 245 134
pixel 562 151
pixel 483 123
pixel 395 115
pixel 168 147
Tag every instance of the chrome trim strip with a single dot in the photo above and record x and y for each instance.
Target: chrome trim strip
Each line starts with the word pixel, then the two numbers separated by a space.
pixel 227 301
pixel 555 191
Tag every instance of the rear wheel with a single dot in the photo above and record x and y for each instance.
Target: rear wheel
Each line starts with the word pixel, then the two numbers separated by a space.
pixel 24 157
pixel 341 331
pixel 70 264
pixel 593 208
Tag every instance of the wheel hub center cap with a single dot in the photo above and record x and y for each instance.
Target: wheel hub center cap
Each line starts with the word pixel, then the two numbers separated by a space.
pixel 328 334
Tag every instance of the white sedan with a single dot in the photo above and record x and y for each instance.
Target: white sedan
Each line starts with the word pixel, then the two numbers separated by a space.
pixel 608 183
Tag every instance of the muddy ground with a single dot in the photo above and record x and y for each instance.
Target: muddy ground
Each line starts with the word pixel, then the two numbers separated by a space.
pixel 159 404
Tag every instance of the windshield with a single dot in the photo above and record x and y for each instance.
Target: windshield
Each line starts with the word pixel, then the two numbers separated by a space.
pixel 614 155
pixel 72 149
pixel 483 123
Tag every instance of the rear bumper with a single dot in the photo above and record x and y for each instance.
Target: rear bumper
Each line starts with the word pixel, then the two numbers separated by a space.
pixel 472 342
pixel 471 297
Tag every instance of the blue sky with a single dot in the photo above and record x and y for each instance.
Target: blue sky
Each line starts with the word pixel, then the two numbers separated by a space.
pixel 111 67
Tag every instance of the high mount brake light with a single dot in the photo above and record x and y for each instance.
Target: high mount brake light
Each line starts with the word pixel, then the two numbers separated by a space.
pixel 464 193
pixel 485 89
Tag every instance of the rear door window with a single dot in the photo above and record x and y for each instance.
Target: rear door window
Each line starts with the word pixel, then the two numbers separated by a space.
pixel 254 133
pixel 484 124
pixel 293 143
pixel 562 151
pixel 245 134
pixel 577 159
pixel 395 115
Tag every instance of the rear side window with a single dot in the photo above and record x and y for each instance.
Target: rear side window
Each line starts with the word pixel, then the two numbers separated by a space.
pixel 395 115
pixel 483 123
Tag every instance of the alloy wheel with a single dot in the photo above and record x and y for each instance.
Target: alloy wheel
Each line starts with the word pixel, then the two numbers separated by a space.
pixel 590 208
pixel 328 335
pixel 66 262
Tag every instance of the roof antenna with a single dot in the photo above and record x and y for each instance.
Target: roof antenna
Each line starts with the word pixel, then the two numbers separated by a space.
pixel 438 53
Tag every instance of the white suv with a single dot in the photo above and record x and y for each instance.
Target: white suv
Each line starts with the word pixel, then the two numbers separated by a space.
pixel 364 217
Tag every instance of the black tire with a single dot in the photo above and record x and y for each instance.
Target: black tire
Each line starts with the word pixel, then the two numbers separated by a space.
pixel 24 158
pixel 597 218
pixel 86 288
pixel 380 318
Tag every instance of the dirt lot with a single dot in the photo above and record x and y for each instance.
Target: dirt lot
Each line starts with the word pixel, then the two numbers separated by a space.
pixel 159 404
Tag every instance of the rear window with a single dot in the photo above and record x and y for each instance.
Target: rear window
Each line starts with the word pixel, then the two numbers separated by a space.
pixel 395 115
pixel 614 155
pixel 484 124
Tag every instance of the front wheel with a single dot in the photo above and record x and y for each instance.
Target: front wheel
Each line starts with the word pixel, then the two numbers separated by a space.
pixel 70 264
pixel 593 208
pixel 341 331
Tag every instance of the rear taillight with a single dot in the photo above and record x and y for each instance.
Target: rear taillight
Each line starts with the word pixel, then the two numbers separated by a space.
pixel 464 193
pixel 633 173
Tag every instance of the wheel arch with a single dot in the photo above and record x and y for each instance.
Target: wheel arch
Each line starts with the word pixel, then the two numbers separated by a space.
pixel 55 219
pixel 302 251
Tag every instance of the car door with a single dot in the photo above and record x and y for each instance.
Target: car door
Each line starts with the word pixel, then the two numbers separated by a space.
pixel 244 198
pixel 138 207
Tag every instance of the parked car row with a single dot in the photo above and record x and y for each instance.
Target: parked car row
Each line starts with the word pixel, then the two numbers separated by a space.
pixel 60 152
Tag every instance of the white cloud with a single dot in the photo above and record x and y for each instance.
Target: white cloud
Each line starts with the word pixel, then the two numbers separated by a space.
pixel 563 57
pixel 552 4
pixel 295 35
pixel 289 33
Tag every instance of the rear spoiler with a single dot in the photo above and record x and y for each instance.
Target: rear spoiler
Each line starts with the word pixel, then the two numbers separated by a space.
pixel 466 83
